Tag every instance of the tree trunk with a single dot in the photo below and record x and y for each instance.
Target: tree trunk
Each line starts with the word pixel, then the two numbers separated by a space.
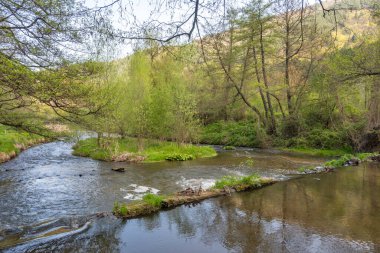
pixel 272 129
pixel 140 143
pixel 260 89
pixel 374 106
pixel 99 139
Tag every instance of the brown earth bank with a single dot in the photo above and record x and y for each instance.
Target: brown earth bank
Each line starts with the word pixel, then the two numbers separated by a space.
pixel 7 156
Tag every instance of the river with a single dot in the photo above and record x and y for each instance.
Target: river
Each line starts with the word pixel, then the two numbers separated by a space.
pixel 52 201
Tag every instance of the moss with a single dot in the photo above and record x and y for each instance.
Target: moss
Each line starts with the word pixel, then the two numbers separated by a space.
pixel 154 150
pixel 229 148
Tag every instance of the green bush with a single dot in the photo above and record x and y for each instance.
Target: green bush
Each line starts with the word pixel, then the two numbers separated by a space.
pixel 153 199
pixel 290 127
pixel 327 139
pixel 231 133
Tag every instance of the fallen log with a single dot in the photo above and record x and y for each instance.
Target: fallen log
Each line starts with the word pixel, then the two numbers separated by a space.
pixel 188 196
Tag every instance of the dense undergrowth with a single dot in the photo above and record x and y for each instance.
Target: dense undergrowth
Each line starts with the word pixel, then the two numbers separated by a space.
pixel 315 141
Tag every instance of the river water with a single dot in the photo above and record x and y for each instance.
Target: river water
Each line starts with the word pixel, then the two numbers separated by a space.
pixel 51 200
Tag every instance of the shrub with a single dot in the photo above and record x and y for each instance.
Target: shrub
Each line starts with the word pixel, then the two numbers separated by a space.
pixel 231 133
pixel 290 127
pixel 327 139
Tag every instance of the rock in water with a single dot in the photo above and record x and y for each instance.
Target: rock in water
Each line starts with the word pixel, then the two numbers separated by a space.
pixel 352 162
pixel 119 169
pixel 375 158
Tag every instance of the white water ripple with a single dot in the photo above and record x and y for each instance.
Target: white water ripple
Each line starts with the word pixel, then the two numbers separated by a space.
pixel 136 192
pixel 195 183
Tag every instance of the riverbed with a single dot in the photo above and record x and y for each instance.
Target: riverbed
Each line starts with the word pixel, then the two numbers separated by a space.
pixel 54 201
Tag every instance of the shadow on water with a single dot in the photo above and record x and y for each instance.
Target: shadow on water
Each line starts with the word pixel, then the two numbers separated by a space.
pixel 335 212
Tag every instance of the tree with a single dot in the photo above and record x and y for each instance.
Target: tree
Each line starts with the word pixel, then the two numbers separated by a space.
pixel 38 39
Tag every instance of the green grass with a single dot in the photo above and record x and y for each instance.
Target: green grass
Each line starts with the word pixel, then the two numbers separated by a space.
pixel 153 199
pixel 154 150
pixel 120 209
pixel 12 141
pixel 317 152
pixel 235 181
pixel 341 161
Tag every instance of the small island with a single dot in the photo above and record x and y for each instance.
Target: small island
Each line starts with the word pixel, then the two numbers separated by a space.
pixel 132 150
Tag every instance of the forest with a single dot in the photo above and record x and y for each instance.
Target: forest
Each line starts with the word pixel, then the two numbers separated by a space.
pixel 283 74
pixel 189 126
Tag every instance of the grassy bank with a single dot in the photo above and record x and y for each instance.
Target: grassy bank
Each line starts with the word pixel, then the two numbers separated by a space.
pixel 13 141
pixel 127 150
pixel 153 203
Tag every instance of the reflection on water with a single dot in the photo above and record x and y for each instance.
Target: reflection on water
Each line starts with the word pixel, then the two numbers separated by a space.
pixel 334 212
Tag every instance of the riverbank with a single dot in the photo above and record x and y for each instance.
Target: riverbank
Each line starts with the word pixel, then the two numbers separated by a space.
pixel 13 141
pixel 317 142
pixel 116 149
pixel 153 203
pixel 317 152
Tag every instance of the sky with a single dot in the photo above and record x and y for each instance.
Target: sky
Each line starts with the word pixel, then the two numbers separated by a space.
pixel 140 13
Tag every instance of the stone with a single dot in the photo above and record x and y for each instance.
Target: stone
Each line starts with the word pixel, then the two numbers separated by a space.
pixel 119 169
